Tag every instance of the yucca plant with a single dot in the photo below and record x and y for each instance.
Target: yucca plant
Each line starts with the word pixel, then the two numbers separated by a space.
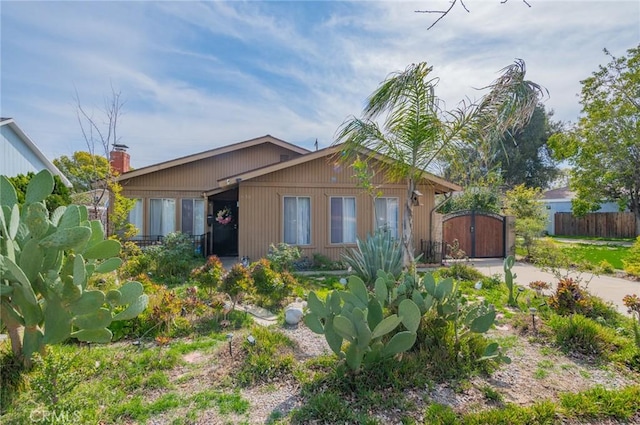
pixel 380 251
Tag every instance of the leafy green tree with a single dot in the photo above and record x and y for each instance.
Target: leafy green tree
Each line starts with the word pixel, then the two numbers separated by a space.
pixel 60 196
pixel 521 157
pixel 481 198
pixel 524 204
pixel 417 130
pixel 604 146
pixel 83 169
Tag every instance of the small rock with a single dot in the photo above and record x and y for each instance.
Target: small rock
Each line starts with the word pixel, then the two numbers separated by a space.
pixel 294 312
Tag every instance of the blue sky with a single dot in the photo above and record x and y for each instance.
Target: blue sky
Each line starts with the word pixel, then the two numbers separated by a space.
pixel 200 75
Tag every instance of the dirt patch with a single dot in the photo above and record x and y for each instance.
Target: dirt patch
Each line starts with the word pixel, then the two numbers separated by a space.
pixel 536 373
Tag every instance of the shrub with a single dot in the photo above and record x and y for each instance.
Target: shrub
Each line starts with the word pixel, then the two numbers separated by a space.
pixel 632 262
pixel 570 298
pixel 283 255
pixel 606 267
pixel 173 259
pixel 209 275
pixel 580 334
pixel 268 283
pixel 322 262
pixel 539 287
pixel 380 251
pixel 236 283
pixel 461 271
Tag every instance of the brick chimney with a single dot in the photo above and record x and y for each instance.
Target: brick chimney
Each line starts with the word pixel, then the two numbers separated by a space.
pixel 119 159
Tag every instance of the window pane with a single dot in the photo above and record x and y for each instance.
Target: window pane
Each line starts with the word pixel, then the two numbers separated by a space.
pixel 187 216
pixel 198 217
pixel 393 216
pixel 297 220
pixel 168 216
pixel 155 217
pixel 349 220
pixel 135 217
pixel 162 216
pixel 387 215
pixel 304 221
pixel 336 220
pixel 290 220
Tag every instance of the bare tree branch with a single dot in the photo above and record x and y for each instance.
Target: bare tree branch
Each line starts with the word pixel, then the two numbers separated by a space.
pixel 100 136
pixel 444 13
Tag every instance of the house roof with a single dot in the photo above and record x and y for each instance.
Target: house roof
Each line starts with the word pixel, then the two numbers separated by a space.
pixel 563 193
pixel 10 122
pixel 442 186
pixel 211 153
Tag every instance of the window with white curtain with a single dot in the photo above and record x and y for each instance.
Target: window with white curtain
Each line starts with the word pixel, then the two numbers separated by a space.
pixel 297 220
pixel 162 216
pixel 192 216
pixel 343 220
pixel 387 216
pixel 135 218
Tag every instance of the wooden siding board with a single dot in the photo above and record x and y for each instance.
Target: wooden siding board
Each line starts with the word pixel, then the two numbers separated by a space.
pixel 204 173
pixel 261 204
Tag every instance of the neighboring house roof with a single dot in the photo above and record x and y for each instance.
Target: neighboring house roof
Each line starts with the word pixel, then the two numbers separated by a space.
pixel 441 185
pixel 32 148
pixel 562 193
pixel 211 153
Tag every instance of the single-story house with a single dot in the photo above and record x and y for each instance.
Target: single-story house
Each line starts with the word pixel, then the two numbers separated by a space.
pixel 263 191
pixel 20 155
pixel 559 201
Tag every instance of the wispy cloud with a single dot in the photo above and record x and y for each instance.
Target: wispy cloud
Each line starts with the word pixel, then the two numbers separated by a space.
pixel 200 75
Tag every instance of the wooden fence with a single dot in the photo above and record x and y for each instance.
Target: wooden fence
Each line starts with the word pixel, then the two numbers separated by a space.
pixel 603 225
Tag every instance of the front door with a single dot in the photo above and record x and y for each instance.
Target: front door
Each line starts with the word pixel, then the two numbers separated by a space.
pixel 225 228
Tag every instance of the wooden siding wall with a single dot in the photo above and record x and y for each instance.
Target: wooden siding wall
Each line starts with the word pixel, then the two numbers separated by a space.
pixel 603 225
pixel 189 181
pixel 261 207
pixel 203 175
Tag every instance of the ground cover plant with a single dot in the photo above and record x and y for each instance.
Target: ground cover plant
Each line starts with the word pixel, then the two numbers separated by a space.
pixel 190 359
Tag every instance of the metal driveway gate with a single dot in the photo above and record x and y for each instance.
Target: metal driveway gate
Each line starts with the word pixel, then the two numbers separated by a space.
pixel 480 234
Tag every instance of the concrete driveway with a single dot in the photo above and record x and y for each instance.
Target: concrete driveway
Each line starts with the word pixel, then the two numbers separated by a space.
pixel 609 288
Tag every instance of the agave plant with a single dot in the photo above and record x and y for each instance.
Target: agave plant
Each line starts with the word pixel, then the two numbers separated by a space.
pixel 380 251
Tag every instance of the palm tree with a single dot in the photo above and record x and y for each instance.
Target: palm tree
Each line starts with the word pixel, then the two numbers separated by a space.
pixel 417 130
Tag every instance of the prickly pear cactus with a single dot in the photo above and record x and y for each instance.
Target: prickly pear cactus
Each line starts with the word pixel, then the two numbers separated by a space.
pixel 509 278
pixel 45 264
pixel 357 317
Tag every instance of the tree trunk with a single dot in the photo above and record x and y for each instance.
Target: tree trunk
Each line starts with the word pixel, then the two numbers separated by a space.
pixel 16 340
pixel 407 226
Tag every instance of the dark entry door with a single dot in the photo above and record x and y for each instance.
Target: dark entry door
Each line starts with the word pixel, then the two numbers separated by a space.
pixel 480 234
pixel 225 228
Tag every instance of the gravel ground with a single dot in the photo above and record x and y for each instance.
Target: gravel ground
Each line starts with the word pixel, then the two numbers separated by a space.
pixel 520 382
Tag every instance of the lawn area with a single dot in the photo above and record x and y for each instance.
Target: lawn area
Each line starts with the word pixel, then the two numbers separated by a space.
pixel 595 254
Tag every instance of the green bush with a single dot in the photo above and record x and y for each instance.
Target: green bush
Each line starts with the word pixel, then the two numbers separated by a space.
pixel 578 333
pixel 236 283
pixel 570 298
pixel 173 259
pixel 283 256
pixel 269 285
pixel 606 267
pixel 380 251
pixel 461 271
pixel 209 275
pixel 632 262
